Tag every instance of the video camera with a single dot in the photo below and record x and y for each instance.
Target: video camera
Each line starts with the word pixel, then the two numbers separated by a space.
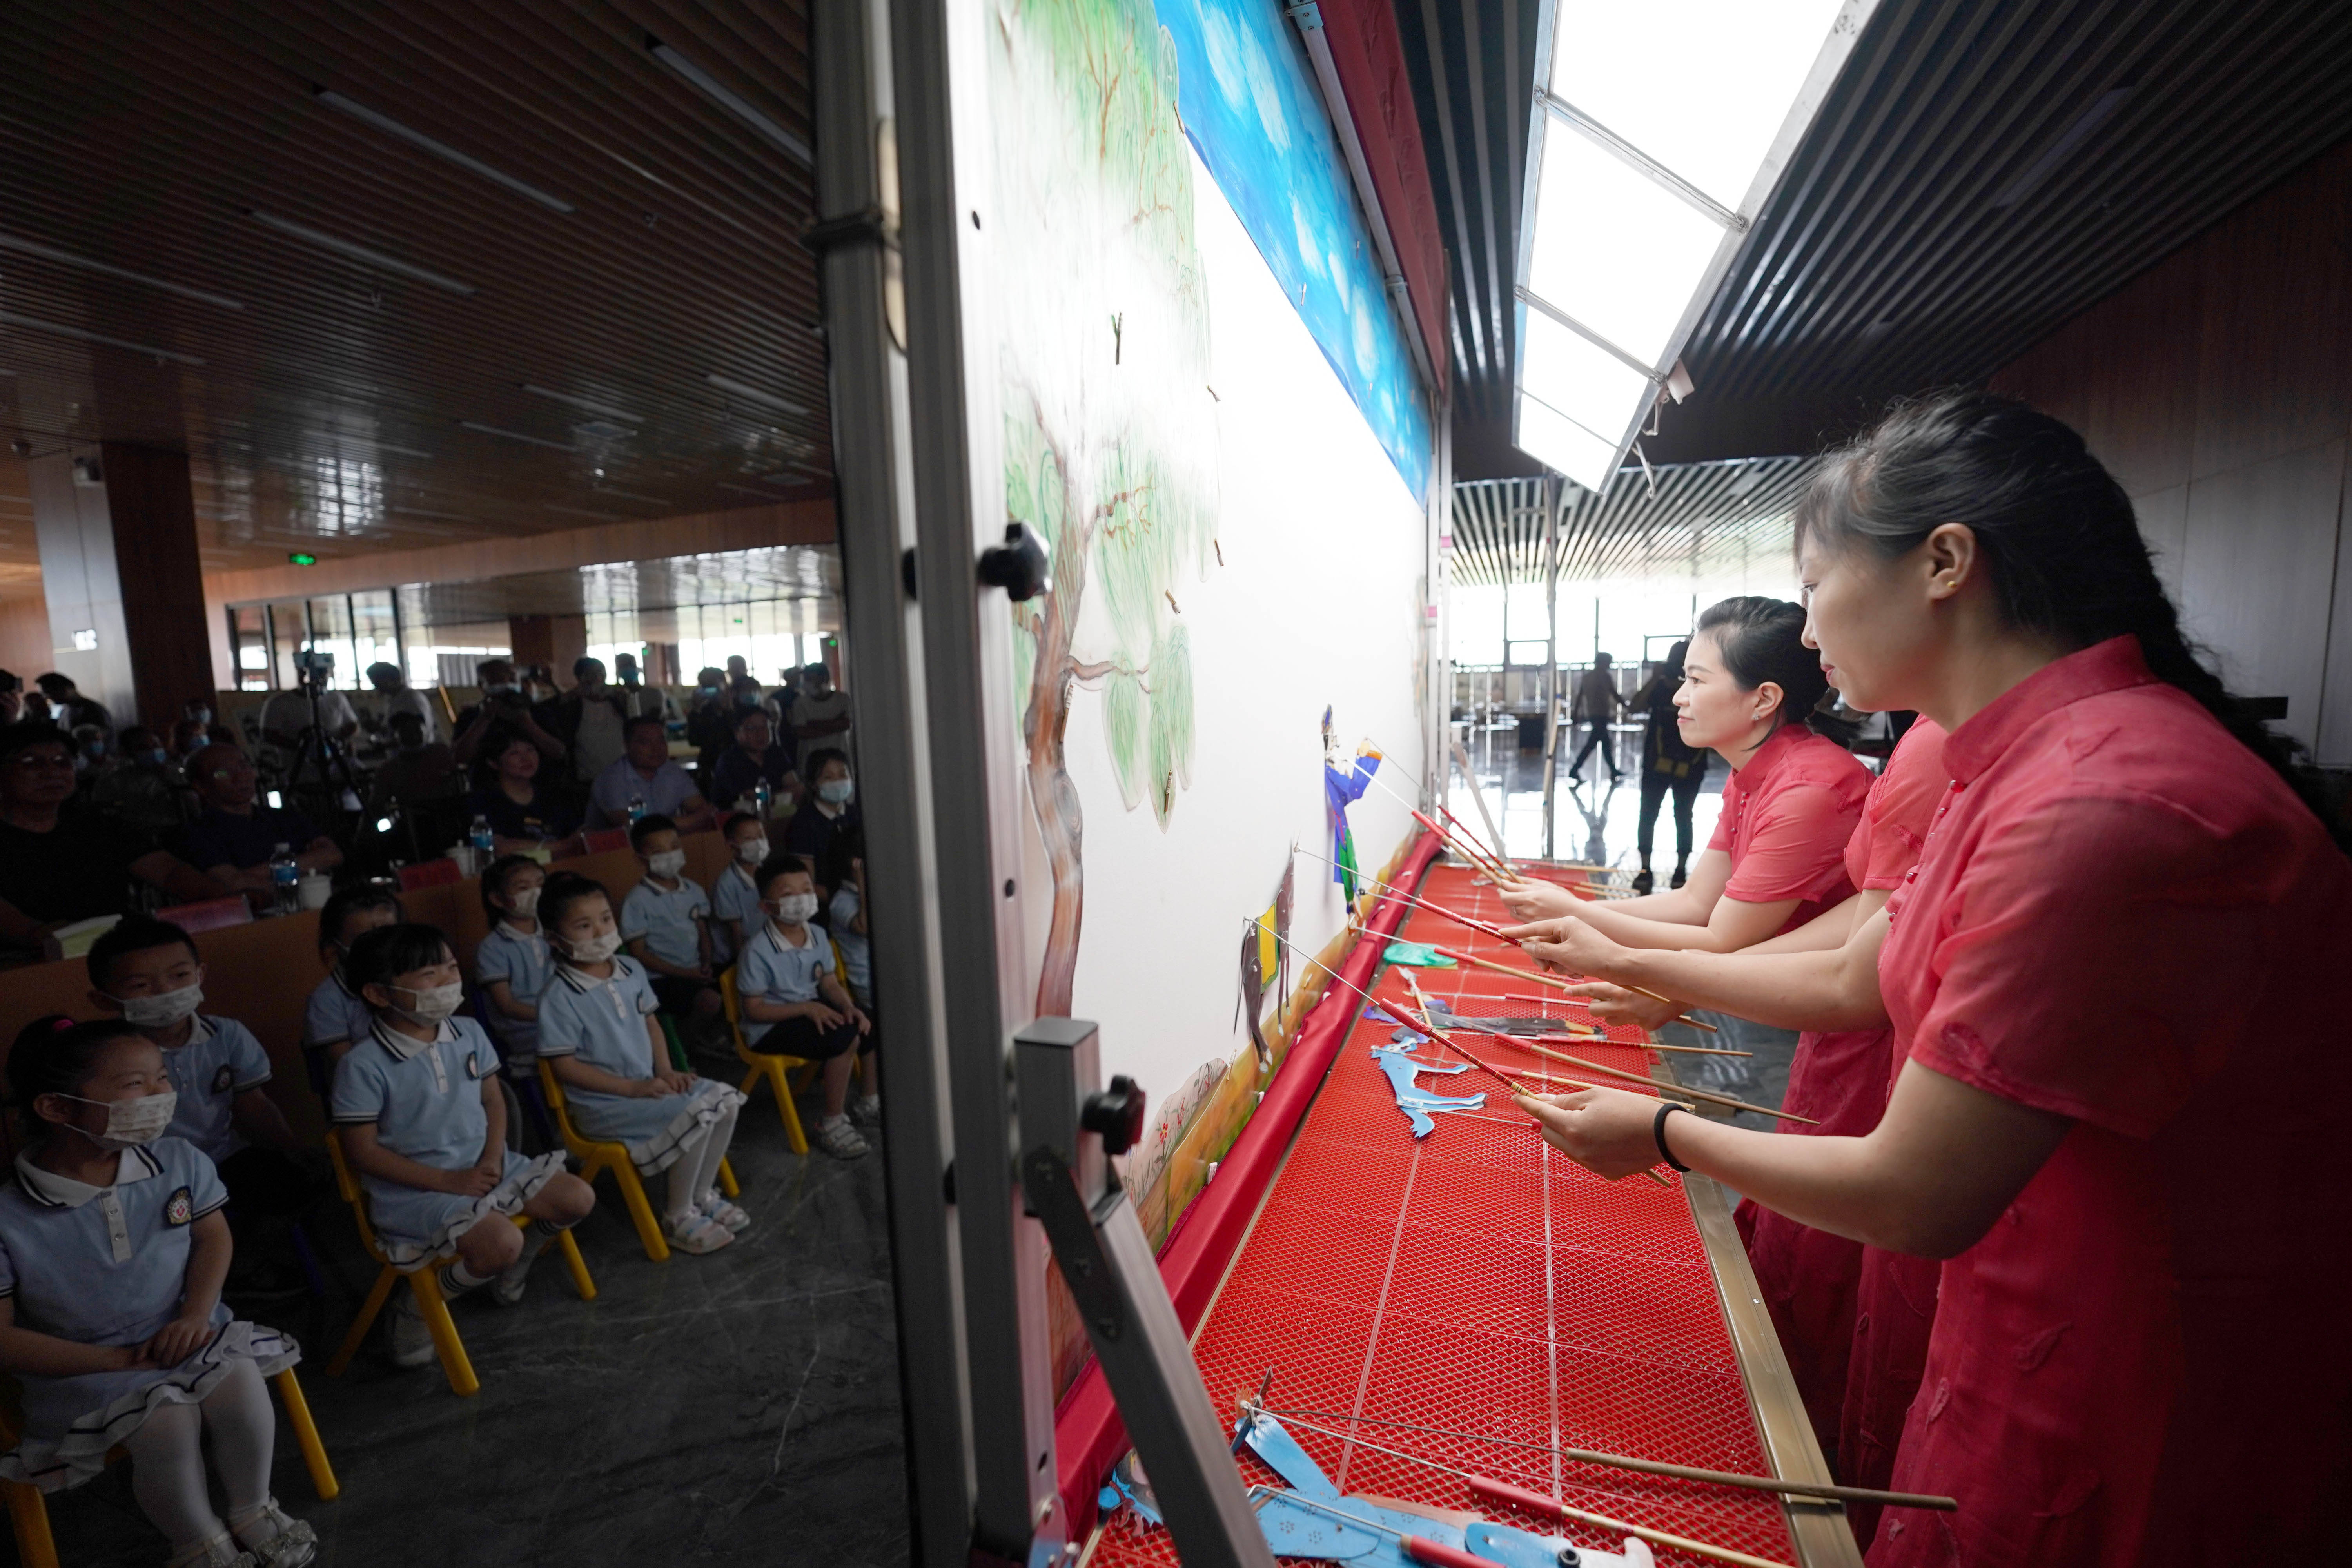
pixel 316 665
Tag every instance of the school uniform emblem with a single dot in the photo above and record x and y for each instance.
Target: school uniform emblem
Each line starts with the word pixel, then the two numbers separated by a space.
pixel 473 1063
pixel 179 1208
pixel 224 1080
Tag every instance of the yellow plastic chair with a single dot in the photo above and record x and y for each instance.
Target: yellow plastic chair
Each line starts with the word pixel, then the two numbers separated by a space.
pixel 425 1283
pixel 28 1509
pixel 596 1157
pixel 770 1068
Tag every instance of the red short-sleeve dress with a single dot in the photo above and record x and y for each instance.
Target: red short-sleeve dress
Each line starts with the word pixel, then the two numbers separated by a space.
pixel 2123 917
pixel 1838 1078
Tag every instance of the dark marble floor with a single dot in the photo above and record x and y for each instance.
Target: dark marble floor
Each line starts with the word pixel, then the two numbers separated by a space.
pixel 740 1407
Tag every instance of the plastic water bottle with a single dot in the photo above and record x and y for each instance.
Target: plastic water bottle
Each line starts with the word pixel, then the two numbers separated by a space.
pixel 762 796
pixel 636 808
pixel 485 842
pixel 285 878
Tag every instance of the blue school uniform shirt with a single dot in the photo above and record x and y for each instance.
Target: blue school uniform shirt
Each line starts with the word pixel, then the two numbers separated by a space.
pixel 522 960
pixel 666 918
pixel 601 1022
pixel 733 896
pixel 105 1266
pixel 221 1060
pixel 423 1096
pixel 335 1013
pixel 856 953
pixel 772 968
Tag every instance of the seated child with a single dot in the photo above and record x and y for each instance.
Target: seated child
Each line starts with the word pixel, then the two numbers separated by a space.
pixel 794 1006
pixel 597 1034
pixel 841 882
pixel 734 901
pixel 512 965
pixel 337 1018
pixel 146 972
pixel 666 923
pixel 112 1251
pixel 417 1107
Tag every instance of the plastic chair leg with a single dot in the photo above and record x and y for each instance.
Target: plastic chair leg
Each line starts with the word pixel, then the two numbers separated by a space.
pixel 306 1433
pixel 426 1283
pixel 641 1210
pixel 790 1101
pixel 376 1297
pixel 577 1265
pixel 29 1515
pixel 728 1186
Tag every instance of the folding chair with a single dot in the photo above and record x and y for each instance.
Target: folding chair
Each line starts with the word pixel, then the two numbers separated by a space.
pixel 425 1282
pixel 597 1156
pixel 771 1068
pixel 29 1511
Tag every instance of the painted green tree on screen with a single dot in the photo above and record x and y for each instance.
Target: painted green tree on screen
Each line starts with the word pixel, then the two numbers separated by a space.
pixel 1109 426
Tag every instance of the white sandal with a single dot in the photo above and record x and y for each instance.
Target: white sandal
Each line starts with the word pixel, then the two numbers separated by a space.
pixel 697 1234
pixel 290 1545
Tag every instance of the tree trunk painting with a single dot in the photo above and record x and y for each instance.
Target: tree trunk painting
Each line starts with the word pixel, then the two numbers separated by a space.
pixel 1109 426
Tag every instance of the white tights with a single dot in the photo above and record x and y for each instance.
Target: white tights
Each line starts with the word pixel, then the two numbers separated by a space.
pixel 167 1475
pixel 697 1171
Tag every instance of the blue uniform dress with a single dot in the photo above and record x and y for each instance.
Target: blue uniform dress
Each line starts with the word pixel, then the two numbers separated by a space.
pixel 603 1022
pixel 733 896
pixel 109 1265
pixel 523 961
pixel 775 970
pixel 666 918
pixel 424 1098
pixel 220 1061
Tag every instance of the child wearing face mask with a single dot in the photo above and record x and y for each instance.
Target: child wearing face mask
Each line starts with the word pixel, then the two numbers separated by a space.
pixel 146 972
pixel 422 1120
pixel 598 1035
pixel 734 896
pixel 513 965
pixel 112 1251
pixel 793 1005
pixel 337 1016
pixel 665 925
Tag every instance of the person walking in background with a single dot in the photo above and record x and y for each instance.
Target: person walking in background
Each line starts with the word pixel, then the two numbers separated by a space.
pixel 1666 764
pixel 1595 707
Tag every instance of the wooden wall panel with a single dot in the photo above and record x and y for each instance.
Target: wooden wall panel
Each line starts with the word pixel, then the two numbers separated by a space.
pixel 2258 573
pixel 25 635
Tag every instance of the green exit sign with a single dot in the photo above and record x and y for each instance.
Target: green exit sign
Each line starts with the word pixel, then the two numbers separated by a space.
pixel 301 558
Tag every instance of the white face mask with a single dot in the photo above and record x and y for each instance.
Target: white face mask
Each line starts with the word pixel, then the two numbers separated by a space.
pixel 132 1121
pixel 432 1005
pixel 835 792
pixel 595 948
pixel 163 1009
pixel 793 908
pixel 751 851
pixel 525 903
pixel 669 863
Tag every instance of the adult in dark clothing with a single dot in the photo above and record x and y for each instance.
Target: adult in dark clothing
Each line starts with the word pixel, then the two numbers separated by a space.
pixel 523 813
pixel 754 756
pixel 503 702
pixel 1666 764
pixel 419 771
pixel 69 708
pixel 590 719
pixel 142 788
pixel 1595 707
pixel 711 721
pixel 832 808
pixel 59 866
pixel 233 835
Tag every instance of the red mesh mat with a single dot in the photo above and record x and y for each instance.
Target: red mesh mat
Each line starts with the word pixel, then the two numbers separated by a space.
pixel 1479 1281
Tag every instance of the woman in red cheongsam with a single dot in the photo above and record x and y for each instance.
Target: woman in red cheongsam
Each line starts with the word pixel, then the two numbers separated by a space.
pixel 2119 973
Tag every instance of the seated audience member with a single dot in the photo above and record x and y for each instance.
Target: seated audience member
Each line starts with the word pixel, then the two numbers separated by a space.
pixel 794 1006
pixel 419 771
pixel 396 697
pixel 512 965
pixel 597 1034
pixel 143 790
pixel 831 807
pixel 148 972
pixel 734 894
pixel 666 921
pixel 199 711
pixel 646 781
pixel 710 718
pixel 189 736
pixel 820 716
pixel 503 705
pixel 112 1251
pixel 589 719
pixel 422 1119
pixel 522 810
pixel 336 1016
pixel 69 709
pixel 755 756
pixel 93 761
pixel 651 700
pixel 841 882
pixel 59 866
pixel 232 836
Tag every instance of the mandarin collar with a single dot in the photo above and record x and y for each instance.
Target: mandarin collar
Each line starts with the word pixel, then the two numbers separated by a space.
pixel 2109 665
pixel 1758 770
pixel 405 1047
pixel 50 1190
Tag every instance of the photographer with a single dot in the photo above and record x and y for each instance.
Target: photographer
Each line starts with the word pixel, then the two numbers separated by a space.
pixel 503 702
pixel 287 715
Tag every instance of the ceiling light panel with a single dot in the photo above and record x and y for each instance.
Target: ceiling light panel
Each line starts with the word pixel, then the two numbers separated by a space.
pixel 1658 132
pixel 441 150
pixel 587 405
pixel 67 258
pixel 728 98
pixel 363 255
